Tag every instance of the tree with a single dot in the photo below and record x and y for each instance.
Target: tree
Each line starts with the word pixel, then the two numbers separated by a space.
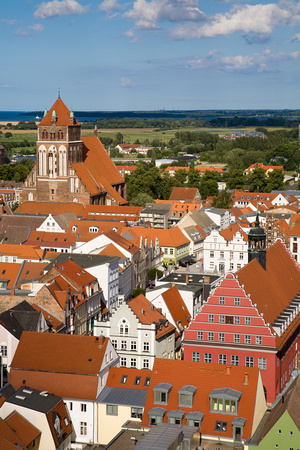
pixel 141 199
pixel 223 200
pixel 208 188
pixel 8 135
pixel 118 138
pixel 152 274
pixel 137 292
pixel 275 180
pixel 257 181
pixel 235 179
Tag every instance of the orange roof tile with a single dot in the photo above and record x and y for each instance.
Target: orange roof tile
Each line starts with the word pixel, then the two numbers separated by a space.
pixel 205 378
pixel 21 251
pixel 229 232
pixel 30 271
pixel 83 228
pixel 8 439
pixel 182 193
pixel 23 429
pixel 62 114
pixel 147 314
pixel 49 239
pixel 116 373
pixel 171 237
pixel 177 307
pixel 54 208
pixel 50 319
pixel 9 273
pixel 271 289
pixel 123 242
pixel 111 250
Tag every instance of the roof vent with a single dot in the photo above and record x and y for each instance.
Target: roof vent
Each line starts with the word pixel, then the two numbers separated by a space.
pixel 27 391
pixel 44 393
pixel 142 311
pixel 20 397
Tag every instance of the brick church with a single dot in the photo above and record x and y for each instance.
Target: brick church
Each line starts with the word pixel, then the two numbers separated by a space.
pixel 71 168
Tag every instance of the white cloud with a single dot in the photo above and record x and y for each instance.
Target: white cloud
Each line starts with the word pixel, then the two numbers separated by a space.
pixel 260 19
pixel 125 82
pixel 130 33
pixel 147 14
pixel 257 62
pixel 9 22
pixel 59 8
pixel 296 38
pixel 110 5
pixel 37 28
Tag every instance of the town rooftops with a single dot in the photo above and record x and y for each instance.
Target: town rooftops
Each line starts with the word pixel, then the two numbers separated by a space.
pixel 84 261
pixel 177 307
pixel 19 318
pixel 183 193
pixel 46 208
pixel 148 314
pixel 171 237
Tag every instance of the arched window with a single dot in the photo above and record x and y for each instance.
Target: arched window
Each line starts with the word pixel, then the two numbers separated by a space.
pixel 123 327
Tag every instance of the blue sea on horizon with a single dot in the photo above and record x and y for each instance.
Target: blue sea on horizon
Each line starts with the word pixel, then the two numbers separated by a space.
pixel 18 116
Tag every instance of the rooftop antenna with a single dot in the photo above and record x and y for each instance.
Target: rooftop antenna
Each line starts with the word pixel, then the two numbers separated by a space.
pixel 59 92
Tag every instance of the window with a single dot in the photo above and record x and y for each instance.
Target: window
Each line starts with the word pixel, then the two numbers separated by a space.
pixel 124 327
pixel 123 379
pixel 249 361
pixel 221 254
pixel 231 266
pixel 210 336
pixel 83 428
pixel 222 300
pixel 222 359
pixel 147 381
pixel 221 337
pixel 133 345
pixel 200 335
pixel 241 255
pixel 237 338
pixel 146 364
pixel 237 301
pixel 83 407
pixel 258 340
pixel 137 413
pixel 234 360
pixel 229 319
pixel 231 255
pixel 175 417
pixel 196 356
pixel 262 363
pixel 161 393
pixel 247 339
pixel 123 345
pixel 237 320
pixel 210 317
pixel 222 318
pixel 156 415
pixel 247 320
pixel 132 362
pixel 221 426
pixel 207 357
pixel 123 362
pixel 111 410
pixel 171 251
pixel 114 343
pixel 137 381
pixel 146 346
pixel 71 406
pixel 4 350
pixel 211 254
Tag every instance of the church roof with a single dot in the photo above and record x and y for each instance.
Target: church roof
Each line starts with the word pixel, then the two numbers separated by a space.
pixel 62 114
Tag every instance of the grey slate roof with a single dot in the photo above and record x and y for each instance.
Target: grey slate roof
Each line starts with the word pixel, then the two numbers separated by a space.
pixel 84 261
pixel 33 399
pixel 64 219
pixel 123 396
pixel 15 229
pixel 163 435
pixel 22 317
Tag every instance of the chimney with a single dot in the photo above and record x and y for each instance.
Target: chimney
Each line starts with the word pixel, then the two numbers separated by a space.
pixel 96 131
pixel 12 292
pixel 228 370
pixel 187 279
pixel 246 381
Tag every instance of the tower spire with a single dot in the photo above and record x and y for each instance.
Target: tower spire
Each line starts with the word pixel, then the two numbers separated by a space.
pixel 59 92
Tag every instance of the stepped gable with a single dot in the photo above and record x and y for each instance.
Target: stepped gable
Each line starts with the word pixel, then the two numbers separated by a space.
pixel 271 289
pixel 62 114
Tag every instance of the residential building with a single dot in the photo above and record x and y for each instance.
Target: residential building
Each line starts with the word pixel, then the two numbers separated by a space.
pixel 139 333
pixel 70 167
pixel 267 169
pixel 184 193
pixel 122 399
pixel 45 411
pixel 156 214
pixel 225 251
pixel 72 367
pixel 226 404
pixel 220 216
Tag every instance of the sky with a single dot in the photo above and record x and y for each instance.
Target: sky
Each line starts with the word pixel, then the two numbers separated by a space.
pixel 118 55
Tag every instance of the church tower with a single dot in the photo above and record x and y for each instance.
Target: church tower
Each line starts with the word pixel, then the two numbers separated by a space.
pixel 257 243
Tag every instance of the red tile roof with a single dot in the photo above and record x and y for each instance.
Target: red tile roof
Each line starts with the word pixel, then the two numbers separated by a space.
pixel 122 242
pixel 171 237
pixel 205 378
pixel 54 208
pixel 8 439
pixel 116 374
pixel 62 114
pixel 148 314
pixel 181 193
pixel 23 429
pixel 272 289
pixel 49 239
pixel 177 307
pixel 232 230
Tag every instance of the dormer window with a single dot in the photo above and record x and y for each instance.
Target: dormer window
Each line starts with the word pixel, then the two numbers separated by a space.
pixel 224 400
pixel 93 229
pixel 186 396
pixel 156 415
pixel 175 417
pixel 194 419
pixel 161 393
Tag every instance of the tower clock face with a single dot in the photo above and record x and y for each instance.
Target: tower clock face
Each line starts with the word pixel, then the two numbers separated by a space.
pixel 52 129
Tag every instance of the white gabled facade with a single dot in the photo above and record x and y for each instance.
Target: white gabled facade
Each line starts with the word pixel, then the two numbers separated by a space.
pixel 135 342
pixel 50 225
pixel 224 256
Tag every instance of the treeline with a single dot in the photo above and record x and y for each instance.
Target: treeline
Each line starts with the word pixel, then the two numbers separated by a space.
pixel 171 124
pixel 23 125
pixel 18 173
